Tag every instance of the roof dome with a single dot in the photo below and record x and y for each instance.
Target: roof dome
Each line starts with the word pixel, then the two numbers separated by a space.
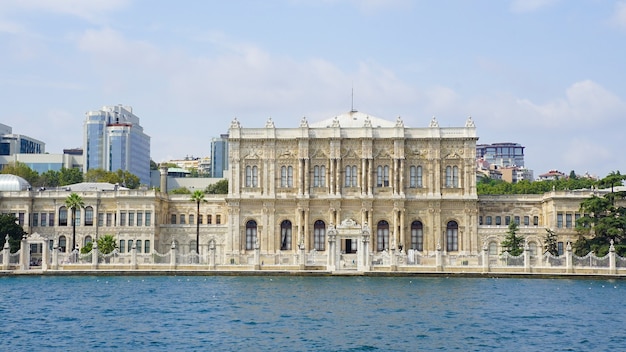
pixel 13 183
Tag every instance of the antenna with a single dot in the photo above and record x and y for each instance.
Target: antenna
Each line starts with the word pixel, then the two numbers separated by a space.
pixel 352 101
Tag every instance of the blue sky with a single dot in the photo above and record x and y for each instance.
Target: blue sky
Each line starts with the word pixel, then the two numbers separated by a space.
pixel 549 74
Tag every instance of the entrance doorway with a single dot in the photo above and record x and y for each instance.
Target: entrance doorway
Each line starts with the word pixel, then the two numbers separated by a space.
pixel 350 245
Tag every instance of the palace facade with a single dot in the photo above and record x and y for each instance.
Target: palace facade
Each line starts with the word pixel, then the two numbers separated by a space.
pixel 345 192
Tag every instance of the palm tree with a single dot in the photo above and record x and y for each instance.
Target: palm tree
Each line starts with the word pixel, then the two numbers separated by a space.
pixel 197 196
pixel 73 202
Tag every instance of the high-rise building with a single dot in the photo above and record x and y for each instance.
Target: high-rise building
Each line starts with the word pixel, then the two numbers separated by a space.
pixel 219 156
pixel 114 140
pixel 501 154
pixel 11 144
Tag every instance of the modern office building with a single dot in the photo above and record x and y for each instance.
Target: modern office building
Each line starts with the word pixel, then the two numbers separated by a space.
pixel 18 144
pixel 219 156
pixel 501 154
pixel 114 140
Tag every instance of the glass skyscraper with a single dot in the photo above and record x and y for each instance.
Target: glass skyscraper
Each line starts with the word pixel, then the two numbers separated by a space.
pixel 114 140
pixel 219 156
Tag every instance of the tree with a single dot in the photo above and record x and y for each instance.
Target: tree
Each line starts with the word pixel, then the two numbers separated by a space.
pixel 22 170
pixel 513 244
pixel 550 245
pixel 127 179
pixel 10 227
pixel 153 165
pixel 219 187
pixel 181 190
pixel 73 202
pixel 70 176
pixel 572 175
pixel 49 178
pixel 120 177
pixel 197 197
pixel 603 221
pixel 106 245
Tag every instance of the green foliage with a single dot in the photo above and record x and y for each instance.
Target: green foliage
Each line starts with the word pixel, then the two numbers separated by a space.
pixel 550 241
pixel 70 176
pixel 106 245
pixel 153 165
pixel 494 187
pixel 9 226
pixel 22 170
pixel 513 244
pixel 49 178
pixel 603 221
pixel 120 177
pixel 219 187
pixel 182 190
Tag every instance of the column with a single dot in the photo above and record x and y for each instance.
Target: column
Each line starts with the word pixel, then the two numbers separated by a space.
pixel 133 255
pixel 173 256
pixel 569 263
pixel 485 258
pixel 306 177
pixel 24 255
pixel 332 177
pixel 612 264
pixel 526 258
pixel 363 176
pixel 94 255
pixel 402 226
pixel 6 251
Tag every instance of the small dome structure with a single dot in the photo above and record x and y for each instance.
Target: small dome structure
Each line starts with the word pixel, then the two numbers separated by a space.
pixel 13 183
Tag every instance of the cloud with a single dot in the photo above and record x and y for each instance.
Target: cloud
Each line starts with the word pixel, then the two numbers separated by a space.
pixel 524 6
pixel 619 15
pixel 92 10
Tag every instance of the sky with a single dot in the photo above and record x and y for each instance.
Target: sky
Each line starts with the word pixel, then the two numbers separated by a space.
pixel 548 74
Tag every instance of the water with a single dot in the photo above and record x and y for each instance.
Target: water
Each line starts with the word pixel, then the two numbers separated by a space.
pixel 284 313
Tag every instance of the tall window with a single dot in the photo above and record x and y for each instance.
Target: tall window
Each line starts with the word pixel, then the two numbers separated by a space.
pixel 87 240
pixel 351 176
pixel 139 218
pixel 88 216
pixel 122 246
pixel 148 218
pixel 109 219
pixel 191 219
pixel 417 236
pixel 173 219
pixel 146 246
pixel 138 246
pixel 51 219
pixel 35 219
pixel 209 219
pixel 122 219
pixel 382 235
pixel 200 219
pixel 250 234
pixel 568 220
pixel 559 220
pixel 382 176
pixel 63 244
pixel 252 176
pixel 43 219
pixel 286 176
pixel 452 176
pixel 63 216
pixel 100 219
pixel 452 236
pixel 131 218
pixel 285 235
pixel 319 176
pixel 218 219
pixel 182 219
pixel 319 235
pixel 415 176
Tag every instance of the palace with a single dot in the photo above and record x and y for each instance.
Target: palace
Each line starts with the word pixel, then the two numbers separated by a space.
pixel 353 192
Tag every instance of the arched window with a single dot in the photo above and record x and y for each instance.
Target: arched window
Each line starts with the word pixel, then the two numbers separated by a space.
pixel 63 244
pixel 286 176
pixel 455 176
pixel 192 246
pixel 417 236
pixel 493 248
pixel 319 235
pixel 351 176
pixel 63 216
pixel 87 240
pixel 248 176
pixel 319 176
pixel 382 235
pixel 415 176
pixel 382 176
pixel 419 177
pixel 532 248
pixel 285 235
pixel 255 176
pixel 250 234
pixel 452 236
pixel 88 216
pixel 191 219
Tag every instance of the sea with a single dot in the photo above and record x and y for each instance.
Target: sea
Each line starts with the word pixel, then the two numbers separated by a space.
pixel 304 313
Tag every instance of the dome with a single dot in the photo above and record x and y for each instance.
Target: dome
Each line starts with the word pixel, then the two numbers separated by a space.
pixel 13 183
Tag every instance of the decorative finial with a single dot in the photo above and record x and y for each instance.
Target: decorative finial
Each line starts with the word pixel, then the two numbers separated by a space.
pixel 433 122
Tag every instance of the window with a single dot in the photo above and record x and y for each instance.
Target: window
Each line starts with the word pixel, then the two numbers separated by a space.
pixel 200 219
pixel 77 217
pixel 123 220
pixel 507 220
pixel 351 176
pixel 286 176
pixel 51 219
pixel 88 216
pixel 173 219
pixel 319 176
pixel 109 219
pixel 382 176
pixel 488 220
pixel 35 219
pixel 498 221
pixel 87 240
pixel 559 220
pixel 139 218
pixel 532 248
pixel 148 218
pixel 250 234
pixel 480 220
pixel 252 176
pixel 526 220
pixel 131 219
pixel 319 235
pixel 100 219
pixel 209 219
pixel 191 219
pixel 122 246
pixel 559 247
pixel 415 176
pixel 63 244
pixel 568 221
pixel 130 245
pixel 382 235
pixel 452 176
pixel 417 236
pixel 43 219
pixel 493 248
pixel 218 219
pixel 452 236
pixel 20 219
pixel 285 235
pixel 63 216
pixel 536 220
pixel 517 220
pixel 138 246
pixel 181 218
pixel 146 246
